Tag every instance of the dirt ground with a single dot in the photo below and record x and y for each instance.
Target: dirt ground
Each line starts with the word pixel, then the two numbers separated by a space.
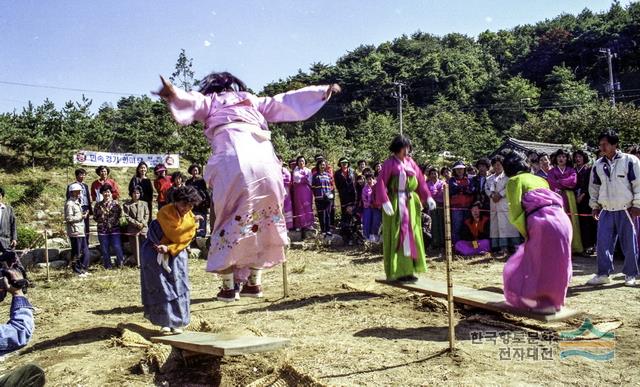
pixel 344 328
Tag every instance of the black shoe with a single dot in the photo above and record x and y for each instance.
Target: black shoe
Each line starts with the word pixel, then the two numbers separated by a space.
pixel 408 279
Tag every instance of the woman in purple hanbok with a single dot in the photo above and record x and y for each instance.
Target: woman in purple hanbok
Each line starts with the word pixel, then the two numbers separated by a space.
pixel 537 276
pixel 250 232
pixel 562 179
pixel 303 217
pixel 287 207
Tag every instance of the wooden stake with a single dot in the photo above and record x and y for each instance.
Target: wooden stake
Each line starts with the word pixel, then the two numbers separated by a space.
pixel 285 280
pixel 46 251
pixel 137 250
pixel 448 257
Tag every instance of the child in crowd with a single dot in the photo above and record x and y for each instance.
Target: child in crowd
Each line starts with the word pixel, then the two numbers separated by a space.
pixel 372 214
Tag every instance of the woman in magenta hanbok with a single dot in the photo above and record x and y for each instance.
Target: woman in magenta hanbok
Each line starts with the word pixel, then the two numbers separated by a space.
pixel 400 190
pixel 563 179
pixel 537 276
pixel 287 207
pixel 303 217
pixel 250 232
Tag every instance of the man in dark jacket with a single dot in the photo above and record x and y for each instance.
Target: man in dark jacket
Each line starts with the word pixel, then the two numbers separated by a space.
pixel 344 179
pixel 8 230
pixel 479 181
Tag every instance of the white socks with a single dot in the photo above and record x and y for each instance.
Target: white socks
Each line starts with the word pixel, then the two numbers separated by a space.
pixel 227 281
pixel 255 277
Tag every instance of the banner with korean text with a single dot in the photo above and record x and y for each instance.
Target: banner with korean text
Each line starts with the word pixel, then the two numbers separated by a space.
pixel 110 159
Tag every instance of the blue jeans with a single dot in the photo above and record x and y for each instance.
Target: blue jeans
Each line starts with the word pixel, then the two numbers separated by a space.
pixel 80 248
pixel 458 216
pixel 371 220
pixel 107 241
pixel 611 226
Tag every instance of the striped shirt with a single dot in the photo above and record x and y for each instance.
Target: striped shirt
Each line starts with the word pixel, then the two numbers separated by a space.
pixel 322 185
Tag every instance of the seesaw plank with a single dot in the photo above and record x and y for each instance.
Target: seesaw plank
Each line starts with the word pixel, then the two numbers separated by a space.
pixel 221 344
pixel 477 298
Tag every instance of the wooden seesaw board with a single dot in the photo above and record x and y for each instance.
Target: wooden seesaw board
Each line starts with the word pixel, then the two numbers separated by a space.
pixel 221 344
pixel 477 298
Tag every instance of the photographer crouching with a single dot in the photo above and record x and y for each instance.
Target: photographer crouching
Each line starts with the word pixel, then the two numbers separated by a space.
pixel 17 332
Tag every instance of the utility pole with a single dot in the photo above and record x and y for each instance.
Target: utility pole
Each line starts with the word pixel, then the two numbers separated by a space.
pixel 612 86
pixel 399 97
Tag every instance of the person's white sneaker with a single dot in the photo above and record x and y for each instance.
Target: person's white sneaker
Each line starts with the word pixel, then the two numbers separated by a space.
pixel 599 280
pixel 629 280
pixel 165 330
pixel 177 331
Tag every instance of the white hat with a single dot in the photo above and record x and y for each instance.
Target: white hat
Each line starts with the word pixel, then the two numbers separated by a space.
pixel 75 187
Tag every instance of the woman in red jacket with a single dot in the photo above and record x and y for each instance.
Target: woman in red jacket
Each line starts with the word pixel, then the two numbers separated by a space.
pixel 162 183
pixel 103 178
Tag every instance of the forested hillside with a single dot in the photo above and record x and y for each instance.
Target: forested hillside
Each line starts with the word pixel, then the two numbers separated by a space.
pixel 543 82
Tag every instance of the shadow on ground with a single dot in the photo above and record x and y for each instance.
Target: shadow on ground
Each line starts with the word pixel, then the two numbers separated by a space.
pixel 311 300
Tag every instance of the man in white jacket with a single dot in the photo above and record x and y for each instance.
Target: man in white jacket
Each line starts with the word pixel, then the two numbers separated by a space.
pixel 614 187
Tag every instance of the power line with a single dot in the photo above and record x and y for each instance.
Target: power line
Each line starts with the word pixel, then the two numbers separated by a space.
pixel 67 88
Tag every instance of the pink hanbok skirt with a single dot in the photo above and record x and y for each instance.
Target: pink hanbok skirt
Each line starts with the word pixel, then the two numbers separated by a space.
pixel 248 196
pixel 538 274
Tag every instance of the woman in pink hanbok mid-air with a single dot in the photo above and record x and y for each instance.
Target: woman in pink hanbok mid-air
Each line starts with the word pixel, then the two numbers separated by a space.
pixel 246 178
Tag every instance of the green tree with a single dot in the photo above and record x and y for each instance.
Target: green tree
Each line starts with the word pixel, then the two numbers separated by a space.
pixel 183 74
pixel 512 100
pixel 564 90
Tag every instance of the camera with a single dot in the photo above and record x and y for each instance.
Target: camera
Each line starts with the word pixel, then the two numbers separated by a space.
pixel 9 262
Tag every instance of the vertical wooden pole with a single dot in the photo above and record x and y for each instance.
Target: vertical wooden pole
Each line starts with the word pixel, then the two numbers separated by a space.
pixel 448 257
pixel 285 280
pixel 46 251
pixel 137 250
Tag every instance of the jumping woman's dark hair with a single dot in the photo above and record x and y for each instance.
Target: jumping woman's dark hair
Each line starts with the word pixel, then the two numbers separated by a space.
pixel 398 143
pixel 514 162
pixel 187 194
pixel 138 168
pixel 567 155
pixel 221 82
